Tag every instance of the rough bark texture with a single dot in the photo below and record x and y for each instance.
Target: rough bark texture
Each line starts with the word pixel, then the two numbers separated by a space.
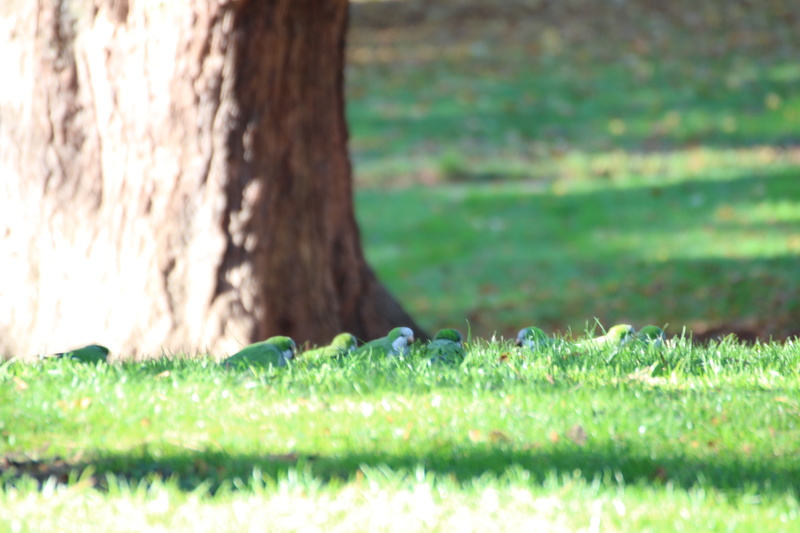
pixel 175 177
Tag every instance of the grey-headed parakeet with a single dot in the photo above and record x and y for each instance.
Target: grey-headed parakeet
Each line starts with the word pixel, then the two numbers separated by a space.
pixel 533 338
pixel 616 336
pixel 446 347
pixel 342 344
pixel 93 353
pixel 395 343
pixel 275 351
pixel 651 336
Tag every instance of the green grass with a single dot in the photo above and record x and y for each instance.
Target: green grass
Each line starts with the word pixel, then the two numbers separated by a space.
pixel 588 161
pixel 515 96
pixel 518 163
pixel 704 435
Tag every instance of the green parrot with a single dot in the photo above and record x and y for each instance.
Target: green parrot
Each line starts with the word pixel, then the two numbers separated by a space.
pixel 446 347
pixel 275 351
pixel 533 338
pixel 616 336
pixel 396 342
pixel 342 344
pixel 651 335
pixel 94 353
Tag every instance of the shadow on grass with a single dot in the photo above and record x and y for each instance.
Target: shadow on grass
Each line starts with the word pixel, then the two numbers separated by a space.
pixel 611 465
pixel 723 91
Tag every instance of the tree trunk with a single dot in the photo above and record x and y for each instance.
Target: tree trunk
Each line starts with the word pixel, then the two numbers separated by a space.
pixel 177 179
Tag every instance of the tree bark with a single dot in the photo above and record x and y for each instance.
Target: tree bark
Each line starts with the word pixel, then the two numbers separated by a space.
pixel 175 177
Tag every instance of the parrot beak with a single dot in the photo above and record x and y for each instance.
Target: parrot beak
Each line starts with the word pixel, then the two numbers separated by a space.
pixel 518 342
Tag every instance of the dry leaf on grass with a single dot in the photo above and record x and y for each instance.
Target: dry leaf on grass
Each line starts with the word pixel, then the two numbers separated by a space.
pixel 577 435
pixel 475 435
pixel 498 436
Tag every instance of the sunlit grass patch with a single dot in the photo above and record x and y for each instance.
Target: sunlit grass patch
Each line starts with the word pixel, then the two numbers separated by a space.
pixel 561 438
pixel 387 501
pixel 687 252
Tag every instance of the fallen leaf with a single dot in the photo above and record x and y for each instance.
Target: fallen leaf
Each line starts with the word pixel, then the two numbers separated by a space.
pixel 487 288
pixel 475 435
pixel 717 420
pixel 84 403
pixel 773 101
pixel 787 401
pixel 725 213
pixel 554 436
pixel 498 436
pixel 283 457
pixel 201 466
pixel 617 126
pixel 577 435
pixel 162 375
pixel 19 384
pixel 660 474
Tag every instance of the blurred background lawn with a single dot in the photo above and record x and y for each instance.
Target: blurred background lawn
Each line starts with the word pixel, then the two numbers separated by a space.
pixel 532 162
